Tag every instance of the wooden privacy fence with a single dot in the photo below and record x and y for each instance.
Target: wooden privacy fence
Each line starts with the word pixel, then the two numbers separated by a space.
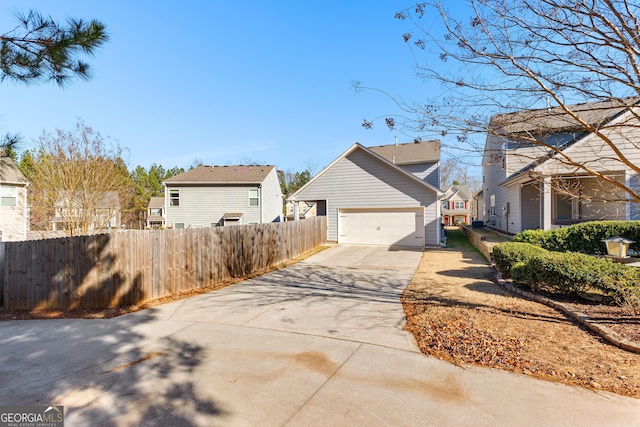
pixel 132 267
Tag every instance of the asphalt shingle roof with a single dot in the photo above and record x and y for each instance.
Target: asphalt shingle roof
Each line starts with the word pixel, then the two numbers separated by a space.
pixel 411 152
pixel 239 174
pixel 9 172
pixel 556 119
pixel 156 202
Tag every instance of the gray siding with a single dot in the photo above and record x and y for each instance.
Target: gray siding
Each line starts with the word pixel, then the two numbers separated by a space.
pixel 530 199
pixel 272 198
pixel 494 174
pixel 634 207
pixel 361 181
pixel 200 205
pixel 428 172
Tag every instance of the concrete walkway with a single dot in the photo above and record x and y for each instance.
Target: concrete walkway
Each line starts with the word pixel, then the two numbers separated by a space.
pixel 317 343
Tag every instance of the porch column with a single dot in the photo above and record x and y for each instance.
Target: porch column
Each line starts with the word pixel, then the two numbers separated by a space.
pixel 545 203
pixel 296 211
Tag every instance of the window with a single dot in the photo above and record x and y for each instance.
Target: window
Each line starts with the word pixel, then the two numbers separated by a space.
pixel 8 196
pixel 156 211
pixel 458 205
pixel 254 197
pixel 178 225
pixel 445 205
pixel 174 197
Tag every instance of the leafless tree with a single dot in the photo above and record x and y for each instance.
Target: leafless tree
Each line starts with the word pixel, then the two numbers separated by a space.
pixel 493 57
pixel 78 181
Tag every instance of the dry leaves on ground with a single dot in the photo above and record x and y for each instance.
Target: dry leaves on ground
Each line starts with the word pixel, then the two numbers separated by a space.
pixel 457 313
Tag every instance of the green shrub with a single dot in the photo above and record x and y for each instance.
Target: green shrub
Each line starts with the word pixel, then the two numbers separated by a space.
pixel 585 237
pixel 559 273
pixel 506 255
pixel 622 283
pixel 570 273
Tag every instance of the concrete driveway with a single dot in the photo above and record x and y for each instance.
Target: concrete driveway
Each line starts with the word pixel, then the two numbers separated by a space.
pixel 317 343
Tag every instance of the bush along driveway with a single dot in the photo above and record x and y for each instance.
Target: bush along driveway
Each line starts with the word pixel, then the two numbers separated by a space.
pixel 458 313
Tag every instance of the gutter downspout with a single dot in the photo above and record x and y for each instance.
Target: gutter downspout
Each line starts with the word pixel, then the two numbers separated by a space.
pixel 261 202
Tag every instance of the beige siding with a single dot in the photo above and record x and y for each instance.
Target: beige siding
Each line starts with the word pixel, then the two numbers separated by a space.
pixel 362 181
pixel 596 154
pixel 14 219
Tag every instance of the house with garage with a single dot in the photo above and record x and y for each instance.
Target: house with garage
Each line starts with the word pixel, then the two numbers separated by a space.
pixel 14 213
pixel 456 205
pixel 542 170
pixel 209 196
pixel 155 213
pixel 385 195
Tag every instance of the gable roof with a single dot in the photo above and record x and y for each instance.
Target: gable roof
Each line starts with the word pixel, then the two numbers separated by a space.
pixel 238 174
pixel 556 119
pixel 358 146
pixel 9 172
pixel 410 152
pixel 103 199
pixel 156 202
pixel 461 190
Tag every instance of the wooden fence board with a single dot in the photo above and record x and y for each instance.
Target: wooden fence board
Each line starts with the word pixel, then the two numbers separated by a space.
pixel 133 267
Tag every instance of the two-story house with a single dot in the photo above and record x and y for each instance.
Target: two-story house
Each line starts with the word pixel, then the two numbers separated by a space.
pixel 305 210
pixel 456 205
pixel 385 195
pixel 83 212
pixel 155 213
pixel 539 166
pixel 14 213
pixel 209 196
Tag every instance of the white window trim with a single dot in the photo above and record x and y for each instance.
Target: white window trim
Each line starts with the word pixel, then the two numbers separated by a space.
pixel 256 198
pixel 175 225
pixel 171 198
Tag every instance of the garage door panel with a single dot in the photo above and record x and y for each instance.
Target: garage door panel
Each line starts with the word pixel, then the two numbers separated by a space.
pixel 382 226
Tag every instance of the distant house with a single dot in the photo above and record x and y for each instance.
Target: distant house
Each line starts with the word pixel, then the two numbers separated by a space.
pixel 456 205
pixel 385 195
pixel 531 186
pixel 87 212
pixel 305 210
pixel 208 196
pixel 14 213
pixel 155 213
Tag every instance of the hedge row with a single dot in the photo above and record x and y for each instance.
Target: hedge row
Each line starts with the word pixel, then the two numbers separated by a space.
pixel 568 273
pixel 584 237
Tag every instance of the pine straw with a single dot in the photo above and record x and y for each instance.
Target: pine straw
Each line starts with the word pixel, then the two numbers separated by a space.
pixel 458 314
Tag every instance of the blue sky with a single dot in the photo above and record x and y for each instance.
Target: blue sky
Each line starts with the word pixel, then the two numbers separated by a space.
pixel 226 82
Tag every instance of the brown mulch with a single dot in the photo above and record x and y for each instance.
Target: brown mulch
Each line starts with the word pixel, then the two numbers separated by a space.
pixel 457 313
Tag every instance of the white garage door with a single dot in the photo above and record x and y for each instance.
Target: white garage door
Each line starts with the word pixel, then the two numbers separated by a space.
pixel 392 226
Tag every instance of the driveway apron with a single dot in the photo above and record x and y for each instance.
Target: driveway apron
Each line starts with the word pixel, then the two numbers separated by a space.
pixel 317 343
pixel 347 292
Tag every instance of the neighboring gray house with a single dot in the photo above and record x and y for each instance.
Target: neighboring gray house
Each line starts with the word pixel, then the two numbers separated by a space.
pixel 531 186
pixel 155 213
pixel 456 205
pixel 14 214
pixel 421 159
pixel 371 196
pixel 208 196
